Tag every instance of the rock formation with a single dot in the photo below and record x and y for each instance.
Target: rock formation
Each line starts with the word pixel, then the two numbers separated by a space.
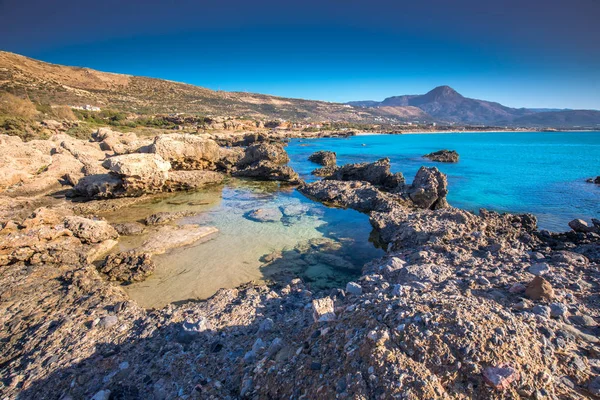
pixel 447 156
pixel 324 158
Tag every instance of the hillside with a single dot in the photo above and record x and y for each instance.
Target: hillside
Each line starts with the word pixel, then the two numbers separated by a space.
pixel 562 119
pixel 62 85
pixel 447 105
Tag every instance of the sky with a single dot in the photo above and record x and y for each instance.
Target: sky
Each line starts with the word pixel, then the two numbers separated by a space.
pixel 521 53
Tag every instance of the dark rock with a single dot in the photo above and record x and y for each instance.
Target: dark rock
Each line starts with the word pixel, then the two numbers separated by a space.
pixel 448 156
pixel 579 225
pixel 268 171
pixel 325 158
pixel 429 189
pixel 128 267
pixel 377 173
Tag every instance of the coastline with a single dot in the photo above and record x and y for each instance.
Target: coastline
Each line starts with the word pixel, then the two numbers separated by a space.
pixel 447 273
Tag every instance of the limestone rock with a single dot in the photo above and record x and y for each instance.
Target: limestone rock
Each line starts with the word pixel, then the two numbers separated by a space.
pixel 90 231
pixel 187 152
pixel 323 310
pixel 19 162
pixel 273 153
pixel 141 173
pixel 119 143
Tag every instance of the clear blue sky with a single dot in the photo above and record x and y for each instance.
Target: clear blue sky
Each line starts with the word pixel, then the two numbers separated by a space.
pixel 520 53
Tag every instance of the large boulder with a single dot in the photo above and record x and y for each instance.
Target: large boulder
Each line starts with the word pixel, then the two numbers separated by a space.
pixel 229 157
pixel 101 186
pixel 377 173
pixel 119 143
pixel 140 173
pixel 274 153
pixel 265 161
pixel 19 162
pixel 187 152
pixel 360 196
pixel 447 156
pixel 322 157
pixel 429 189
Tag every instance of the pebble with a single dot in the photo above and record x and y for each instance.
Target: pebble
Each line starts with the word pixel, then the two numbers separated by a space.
pixel 558 310
pixel 544 311
pixel 101 395
pixel 539 269
pixel 108 321
pixel 266 325
pixel 594 386
pixel 353 288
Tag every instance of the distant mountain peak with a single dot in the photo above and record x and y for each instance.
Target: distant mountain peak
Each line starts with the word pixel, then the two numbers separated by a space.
pixel 442 92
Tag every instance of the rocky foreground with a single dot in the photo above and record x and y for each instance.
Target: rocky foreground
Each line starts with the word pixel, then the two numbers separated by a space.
pixel 462 305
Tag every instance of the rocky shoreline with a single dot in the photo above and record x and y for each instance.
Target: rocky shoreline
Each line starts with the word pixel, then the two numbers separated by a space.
pixel 461 306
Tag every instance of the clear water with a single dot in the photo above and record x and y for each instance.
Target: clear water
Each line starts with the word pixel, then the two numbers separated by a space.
pixel 326 247
pixel 538 172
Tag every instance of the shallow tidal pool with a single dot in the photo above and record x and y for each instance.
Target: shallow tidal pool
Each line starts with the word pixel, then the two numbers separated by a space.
pixel 290 236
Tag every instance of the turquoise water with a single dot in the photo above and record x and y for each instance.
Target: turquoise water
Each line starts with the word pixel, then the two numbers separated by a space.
pixel 538 172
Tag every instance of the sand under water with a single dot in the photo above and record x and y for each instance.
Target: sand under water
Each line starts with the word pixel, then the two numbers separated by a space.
pixel 289 236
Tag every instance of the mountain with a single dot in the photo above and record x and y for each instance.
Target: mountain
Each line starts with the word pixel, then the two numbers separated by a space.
pixel 63 85
pixel 447 105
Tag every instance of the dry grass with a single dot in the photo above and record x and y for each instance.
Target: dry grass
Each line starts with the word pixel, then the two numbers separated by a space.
pixel 64 112
pixel 17 107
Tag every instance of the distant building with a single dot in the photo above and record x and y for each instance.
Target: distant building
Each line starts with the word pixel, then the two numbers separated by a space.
pixel 87 107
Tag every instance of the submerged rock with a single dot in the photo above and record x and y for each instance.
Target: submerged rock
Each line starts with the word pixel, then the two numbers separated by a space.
pixel 265 215
pixel 163 217
pixel 129 228
pixel 128 267
pixel 322 157
pixel 447 156
pixel 168 237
